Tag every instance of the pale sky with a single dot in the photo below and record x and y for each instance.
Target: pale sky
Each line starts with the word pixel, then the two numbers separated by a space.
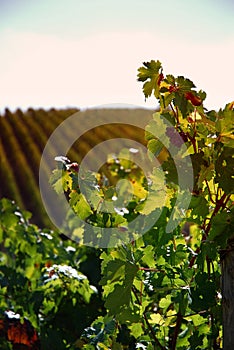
pixel 85 53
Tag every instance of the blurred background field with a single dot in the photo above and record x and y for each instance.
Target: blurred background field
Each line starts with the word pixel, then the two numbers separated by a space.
pixel 25 134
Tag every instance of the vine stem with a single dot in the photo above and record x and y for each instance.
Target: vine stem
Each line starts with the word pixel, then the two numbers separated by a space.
pixel 226 201
pixel 209 191
pixel 193 141
pixel 148 324
pixel 216 209
pixel 176 331
pixel 175 113
pixel 219 205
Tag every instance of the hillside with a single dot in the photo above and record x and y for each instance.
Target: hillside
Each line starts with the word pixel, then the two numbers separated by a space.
pixel 25 134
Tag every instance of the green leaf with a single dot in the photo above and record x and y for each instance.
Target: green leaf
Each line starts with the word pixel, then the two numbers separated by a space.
pixel 155 147
pixel 170 79
pixel 158 126
pixel 203 295
pixel 198 320
pixel 9 220
pixel 184 84
pixel 136 330
pixel 150 72
pixel 90 189
pixel 165 302
pixel 61 181
pixel 155 201
pixel 119 298
pixel 225 126
pixel 80 205
pixel 113 271
pixel 148 257
pixel 196 340
pixel 206 173
pixel 222 228
pixel 199 206
pixel 182 104
pixel 148 69
pixel 224 168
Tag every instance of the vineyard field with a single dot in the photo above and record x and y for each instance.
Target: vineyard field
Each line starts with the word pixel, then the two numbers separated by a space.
pixel 25 134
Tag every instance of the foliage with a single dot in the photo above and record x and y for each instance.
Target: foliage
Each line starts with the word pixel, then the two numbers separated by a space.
pixel 157 290
pixel 162 290
pixel 41 281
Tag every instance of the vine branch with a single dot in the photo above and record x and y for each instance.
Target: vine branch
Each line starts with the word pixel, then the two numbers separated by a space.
pixel 148 324
pixel 176 331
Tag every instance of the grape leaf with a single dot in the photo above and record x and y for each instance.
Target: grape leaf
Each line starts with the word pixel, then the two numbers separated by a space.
pixel 149 74
pixel 80 205
pixel 120 296
pixel 224 167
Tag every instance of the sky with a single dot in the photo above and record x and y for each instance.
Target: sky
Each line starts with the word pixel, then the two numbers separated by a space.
pixel 85 53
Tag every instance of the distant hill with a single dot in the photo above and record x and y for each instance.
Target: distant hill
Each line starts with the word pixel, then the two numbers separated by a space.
pixel 25 134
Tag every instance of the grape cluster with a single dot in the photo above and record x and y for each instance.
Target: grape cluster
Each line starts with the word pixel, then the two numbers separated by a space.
pixel 176 138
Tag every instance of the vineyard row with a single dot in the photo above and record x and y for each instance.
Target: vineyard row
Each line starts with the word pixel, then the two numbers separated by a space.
pixel 25 134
